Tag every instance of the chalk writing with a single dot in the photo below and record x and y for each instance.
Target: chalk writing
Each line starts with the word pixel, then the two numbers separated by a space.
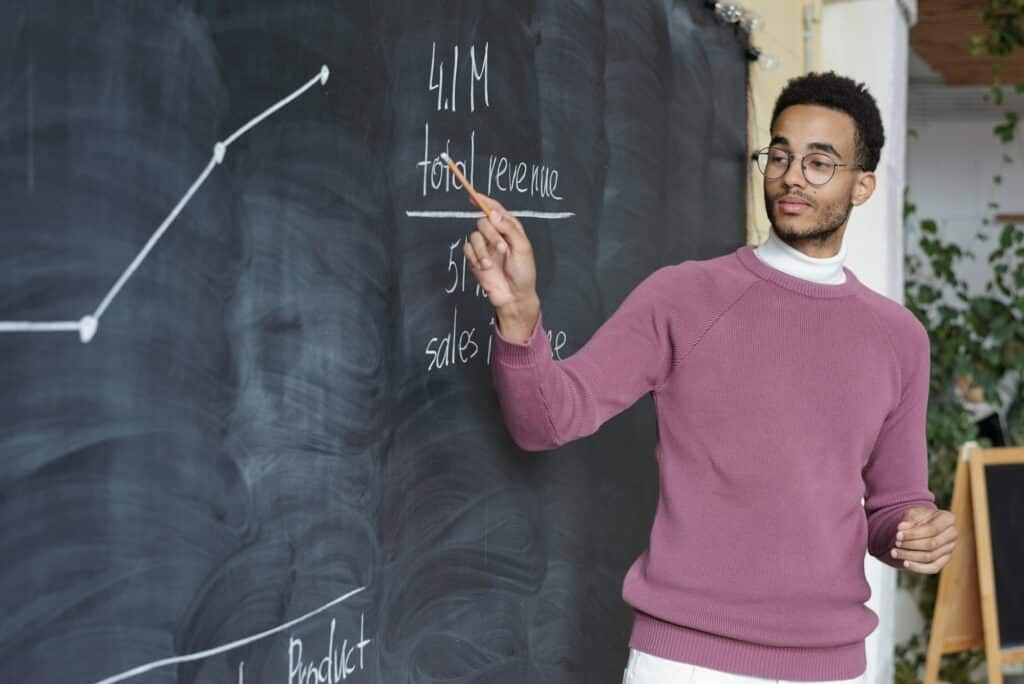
pixel 452 73
pixel 460 345
pixel 476 72
pixel 511 177
pixel 457 269
pixel 528 179
pixel 338 665
pixel 437 174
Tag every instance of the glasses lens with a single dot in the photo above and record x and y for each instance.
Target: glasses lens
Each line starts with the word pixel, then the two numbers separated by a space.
pixel 773 163
pixel 818 169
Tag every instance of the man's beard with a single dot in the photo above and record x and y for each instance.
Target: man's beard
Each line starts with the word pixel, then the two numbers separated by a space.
pixel 835 217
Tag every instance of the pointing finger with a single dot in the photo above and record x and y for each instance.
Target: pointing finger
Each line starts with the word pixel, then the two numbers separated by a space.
pixel 490 233
pixel 508 226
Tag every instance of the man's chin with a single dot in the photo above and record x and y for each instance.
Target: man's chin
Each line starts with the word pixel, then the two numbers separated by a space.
pixel 793 227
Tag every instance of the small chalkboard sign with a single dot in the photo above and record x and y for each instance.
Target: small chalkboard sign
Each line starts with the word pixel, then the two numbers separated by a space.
pixel 1004 489
pixel 980 600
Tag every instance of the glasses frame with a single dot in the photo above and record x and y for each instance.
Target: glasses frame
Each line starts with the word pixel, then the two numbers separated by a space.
pixel 755 157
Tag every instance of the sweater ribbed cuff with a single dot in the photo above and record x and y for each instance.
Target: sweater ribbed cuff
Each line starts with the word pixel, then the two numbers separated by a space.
pixel 522 354
pixel 887 530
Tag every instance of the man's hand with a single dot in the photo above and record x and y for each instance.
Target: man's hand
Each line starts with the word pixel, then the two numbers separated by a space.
pixel 501 258
pixel 925 539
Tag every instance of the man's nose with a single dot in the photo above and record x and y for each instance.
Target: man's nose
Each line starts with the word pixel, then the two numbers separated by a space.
pixel 794 174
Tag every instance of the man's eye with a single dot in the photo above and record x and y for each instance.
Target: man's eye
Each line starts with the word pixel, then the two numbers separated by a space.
pixel 819 165
pixel 778 158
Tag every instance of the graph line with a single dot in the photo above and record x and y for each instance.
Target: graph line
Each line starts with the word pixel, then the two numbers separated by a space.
pixel 199 655
pixel 47 326
pixel 549 215
pixel 87 326
pixel 128 272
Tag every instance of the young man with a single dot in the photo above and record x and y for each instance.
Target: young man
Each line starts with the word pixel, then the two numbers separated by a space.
pixel 786 390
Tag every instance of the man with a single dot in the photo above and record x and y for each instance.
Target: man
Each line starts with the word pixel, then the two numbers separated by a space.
pixel 786 390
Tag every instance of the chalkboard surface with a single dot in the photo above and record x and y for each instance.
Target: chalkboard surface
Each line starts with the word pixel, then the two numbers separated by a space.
pixel 249 432
pixel 1005 491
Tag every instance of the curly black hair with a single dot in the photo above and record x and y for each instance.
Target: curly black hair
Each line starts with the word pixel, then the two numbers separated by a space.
pixel 845 95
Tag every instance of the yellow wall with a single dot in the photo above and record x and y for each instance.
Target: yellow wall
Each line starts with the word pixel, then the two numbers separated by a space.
pixel 781 37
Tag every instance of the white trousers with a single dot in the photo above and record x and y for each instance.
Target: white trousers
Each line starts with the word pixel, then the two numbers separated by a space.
pixel 644 668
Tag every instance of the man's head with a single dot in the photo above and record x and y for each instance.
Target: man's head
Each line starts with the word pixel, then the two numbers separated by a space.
pixel 831 125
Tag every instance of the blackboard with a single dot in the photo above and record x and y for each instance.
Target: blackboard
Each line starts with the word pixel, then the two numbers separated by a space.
pixel 249 432
pixel 1004 485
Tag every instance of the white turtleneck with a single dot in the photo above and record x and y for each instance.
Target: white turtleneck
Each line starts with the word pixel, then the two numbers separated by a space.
pixel 780 256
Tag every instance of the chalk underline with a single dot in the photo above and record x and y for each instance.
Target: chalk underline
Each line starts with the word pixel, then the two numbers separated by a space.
pixel 548 215
pixel 199 655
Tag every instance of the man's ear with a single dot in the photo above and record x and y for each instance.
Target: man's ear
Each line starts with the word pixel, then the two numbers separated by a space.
pixel 864 188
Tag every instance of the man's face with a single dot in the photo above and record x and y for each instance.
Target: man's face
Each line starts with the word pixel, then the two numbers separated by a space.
pixel 797 210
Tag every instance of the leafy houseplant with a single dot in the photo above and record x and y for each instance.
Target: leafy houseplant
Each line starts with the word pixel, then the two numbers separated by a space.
pixel 984 336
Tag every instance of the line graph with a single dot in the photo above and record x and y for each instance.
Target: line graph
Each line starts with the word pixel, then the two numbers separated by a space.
pixel 89 324
pixel 200 655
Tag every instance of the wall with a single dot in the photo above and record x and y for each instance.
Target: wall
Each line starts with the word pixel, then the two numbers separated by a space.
pixel 782 39
pixel 950 170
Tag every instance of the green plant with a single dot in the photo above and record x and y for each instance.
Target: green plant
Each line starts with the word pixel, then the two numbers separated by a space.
pixel 949 423
pixel 1003 18
pixel 982 335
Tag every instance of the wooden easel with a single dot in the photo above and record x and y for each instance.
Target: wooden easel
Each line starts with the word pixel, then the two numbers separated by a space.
pixel 965 607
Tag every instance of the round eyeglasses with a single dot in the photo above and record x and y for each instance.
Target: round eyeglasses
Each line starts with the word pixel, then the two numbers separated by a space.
pixel 818 168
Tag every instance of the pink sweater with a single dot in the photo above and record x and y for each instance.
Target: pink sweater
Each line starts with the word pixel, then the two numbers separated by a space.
pixel 780 403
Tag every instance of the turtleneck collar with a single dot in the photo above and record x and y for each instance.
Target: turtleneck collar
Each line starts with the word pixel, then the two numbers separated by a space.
pixel 782 257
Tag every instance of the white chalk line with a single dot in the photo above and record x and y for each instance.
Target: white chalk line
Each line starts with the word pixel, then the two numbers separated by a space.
pixel 320 77
pixel 86 327
pixel 549 215
pixel 128 272
pixel 199 655
pixel 30 326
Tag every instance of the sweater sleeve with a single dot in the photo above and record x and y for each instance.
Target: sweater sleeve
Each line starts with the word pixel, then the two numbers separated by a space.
pixel 547 403
pixel 896 475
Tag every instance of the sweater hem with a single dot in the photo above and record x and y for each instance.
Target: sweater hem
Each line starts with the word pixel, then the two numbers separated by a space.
pixel 683 644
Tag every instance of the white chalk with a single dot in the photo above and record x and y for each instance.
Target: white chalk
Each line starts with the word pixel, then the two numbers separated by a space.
pixel 87 328
pixel 445 158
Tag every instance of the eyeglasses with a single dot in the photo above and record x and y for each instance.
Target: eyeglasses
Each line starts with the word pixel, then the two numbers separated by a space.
pixel 818 168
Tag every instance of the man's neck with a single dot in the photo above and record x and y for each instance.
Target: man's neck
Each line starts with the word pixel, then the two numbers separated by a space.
pixel 788 259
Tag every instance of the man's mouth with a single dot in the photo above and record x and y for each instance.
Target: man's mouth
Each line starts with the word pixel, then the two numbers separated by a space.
pixel 791 205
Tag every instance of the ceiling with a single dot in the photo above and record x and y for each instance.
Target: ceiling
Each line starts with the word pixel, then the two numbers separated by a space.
pixel 942 38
